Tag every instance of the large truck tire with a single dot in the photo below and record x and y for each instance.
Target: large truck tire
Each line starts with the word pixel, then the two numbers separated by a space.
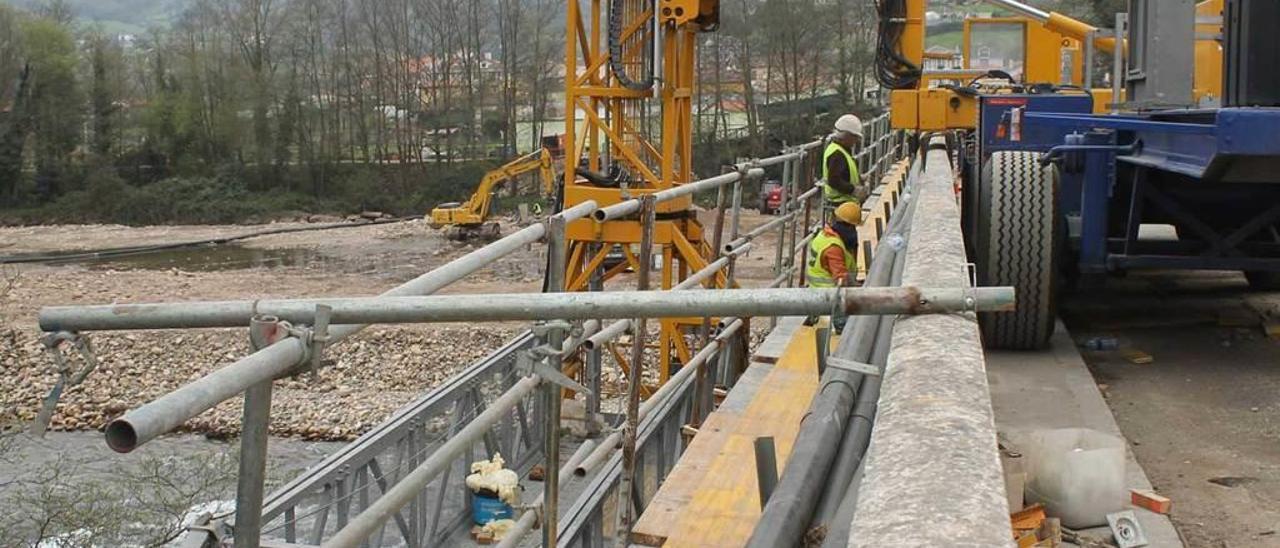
pixel 1019 244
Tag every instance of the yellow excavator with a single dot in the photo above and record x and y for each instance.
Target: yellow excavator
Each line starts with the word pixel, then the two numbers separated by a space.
pixel 466 220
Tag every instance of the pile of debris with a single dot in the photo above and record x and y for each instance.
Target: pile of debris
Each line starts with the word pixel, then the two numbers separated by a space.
pixel 372 375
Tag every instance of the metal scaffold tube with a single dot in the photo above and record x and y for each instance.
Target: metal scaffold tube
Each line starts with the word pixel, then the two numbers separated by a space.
pixel 1023 9
pixel 279 359
pixel 785 518
pixel 758 231
pixel 631 207
pixel 529 518
pixel 610 443
pixel 397 496
pixel 538 306
pixel 753 169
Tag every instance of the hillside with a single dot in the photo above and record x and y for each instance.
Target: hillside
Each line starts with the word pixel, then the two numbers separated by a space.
pixel 121 16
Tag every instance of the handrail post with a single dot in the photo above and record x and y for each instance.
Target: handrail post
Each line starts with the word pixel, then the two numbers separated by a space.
pixel 551 392
pixel 627 512
pixel 250 484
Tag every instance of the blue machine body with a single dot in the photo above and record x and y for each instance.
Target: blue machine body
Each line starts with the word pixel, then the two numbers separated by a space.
pixel 1212 174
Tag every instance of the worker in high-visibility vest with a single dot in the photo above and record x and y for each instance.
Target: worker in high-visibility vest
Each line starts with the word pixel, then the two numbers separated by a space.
pixel 841 181
pixel 833 252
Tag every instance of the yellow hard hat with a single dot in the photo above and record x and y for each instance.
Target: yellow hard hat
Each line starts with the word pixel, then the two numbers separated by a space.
pixel 850 212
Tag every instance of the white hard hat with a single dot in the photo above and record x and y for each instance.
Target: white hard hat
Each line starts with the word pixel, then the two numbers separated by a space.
pixel 850 124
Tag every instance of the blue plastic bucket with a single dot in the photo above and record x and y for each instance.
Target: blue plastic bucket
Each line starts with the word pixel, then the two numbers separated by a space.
pixel 487 508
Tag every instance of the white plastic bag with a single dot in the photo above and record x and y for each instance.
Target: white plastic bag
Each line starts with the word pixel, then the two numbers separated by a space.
pixel 1077 473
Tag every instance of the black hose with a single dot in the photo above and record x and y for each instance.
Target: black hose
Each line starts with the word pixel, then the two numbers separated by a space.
pixel 785 519
pixel 892 69
pixel 117 252
pixel 858 437
pixel 615 50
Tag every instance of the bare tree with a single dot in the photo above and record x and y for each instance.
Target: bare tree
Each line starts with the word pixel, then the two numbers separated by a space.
pixel 254 25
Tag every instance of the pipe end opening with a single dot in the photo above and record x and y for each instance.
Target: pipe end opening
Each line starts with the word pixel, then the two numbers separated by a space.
pixel 121 437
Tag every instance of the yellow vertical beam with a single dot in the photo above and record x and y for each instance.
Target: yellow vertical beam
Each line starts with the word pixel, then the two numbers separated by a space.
pixel 912 42
pixel 573 152
pixel 688 66
pixel 598 52
pixel 668 327
pixel 670 121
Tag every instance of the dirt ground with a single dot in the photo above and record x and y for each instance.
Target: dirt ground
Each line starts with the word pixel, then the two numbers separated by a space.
pixel 1204 416
pixel 375 373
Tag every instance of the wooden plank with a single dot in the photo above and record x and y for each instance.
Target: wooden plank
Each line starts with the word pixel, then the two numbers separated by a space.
pixel 711 497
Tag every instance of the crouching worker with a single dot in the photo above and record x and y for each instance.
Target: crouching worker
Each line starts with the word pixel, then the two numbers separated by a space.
pixel 832 254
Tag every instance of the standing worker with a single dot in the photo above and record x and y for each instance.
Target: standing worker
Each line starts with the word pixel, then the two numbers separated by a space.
pixel 832 253
pixel 839 169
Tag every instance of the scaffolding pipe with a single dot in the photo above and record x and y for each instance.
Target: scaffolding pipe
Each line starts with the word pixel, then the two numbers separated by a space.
pixel 571 345
pixel 835 507
pixel 279 359
pixel 529 518
pixel 858 431
pixel 806 241
pixel 171 410
pixel 397 496
pixel 785 518
pixel 710 270
pixel 616 329
pixel 535 306
pixel 1030 12
pixel 758 231
pixel 610 443
pixel 604 336
pixel 631 207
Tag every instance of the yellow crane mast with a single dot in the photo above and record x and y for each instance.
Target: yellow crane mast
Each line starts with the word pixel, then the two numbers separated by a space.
pixel 466 220
pixel 629 92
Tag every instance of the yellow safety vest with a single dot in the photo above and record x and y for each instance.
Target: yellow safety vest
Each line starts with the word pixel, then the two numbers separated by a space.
pixel 817 274
pixel 832 195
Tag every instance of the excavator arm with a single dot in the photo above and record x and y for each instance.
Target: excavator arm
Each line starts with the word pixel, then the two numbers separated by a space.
pixel 475 210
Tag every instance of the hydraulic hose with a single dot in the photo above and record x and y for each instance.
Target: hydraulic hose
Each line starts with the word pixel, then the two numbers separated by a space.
pixel 616 9
pixel 892 69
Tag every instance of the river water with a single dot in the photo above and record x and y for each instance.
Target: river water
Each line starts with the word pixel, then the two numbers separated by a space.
pixel 85 494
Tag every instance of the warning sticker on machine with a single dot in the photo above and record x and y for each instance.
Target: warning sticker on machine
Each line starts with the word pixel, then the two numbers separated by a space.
pixel 1006 102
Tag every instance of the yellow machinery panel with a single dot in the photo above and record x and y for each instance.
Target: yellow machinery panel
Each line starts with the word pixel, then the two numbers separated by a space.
pixel 935 109
pixel 703 13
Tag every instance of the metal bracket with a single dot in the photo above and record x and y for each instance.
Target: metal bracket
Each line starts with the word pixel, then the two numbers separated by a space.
pixel 66 376
pixel 1126 529
pixel 266 330
pixel 971 292
pixel 319 338
pixel 853 366
pixel 534 360
pixel 205 531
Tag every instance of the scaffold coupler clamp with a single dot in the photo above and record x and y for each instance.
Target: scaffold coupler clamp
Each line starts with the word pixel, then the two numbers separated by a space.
pixel 53 344
pixel 971 288
pixel 534 361
pixel 67 376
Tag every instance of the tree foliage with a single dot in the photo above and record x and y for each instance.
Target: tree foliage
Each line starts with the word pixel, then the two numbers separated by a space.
pixel 285 93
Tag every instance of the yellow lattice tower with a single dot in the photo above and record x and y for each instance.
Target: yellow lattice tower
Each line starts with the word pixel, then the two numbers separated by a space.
pixel 613 81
